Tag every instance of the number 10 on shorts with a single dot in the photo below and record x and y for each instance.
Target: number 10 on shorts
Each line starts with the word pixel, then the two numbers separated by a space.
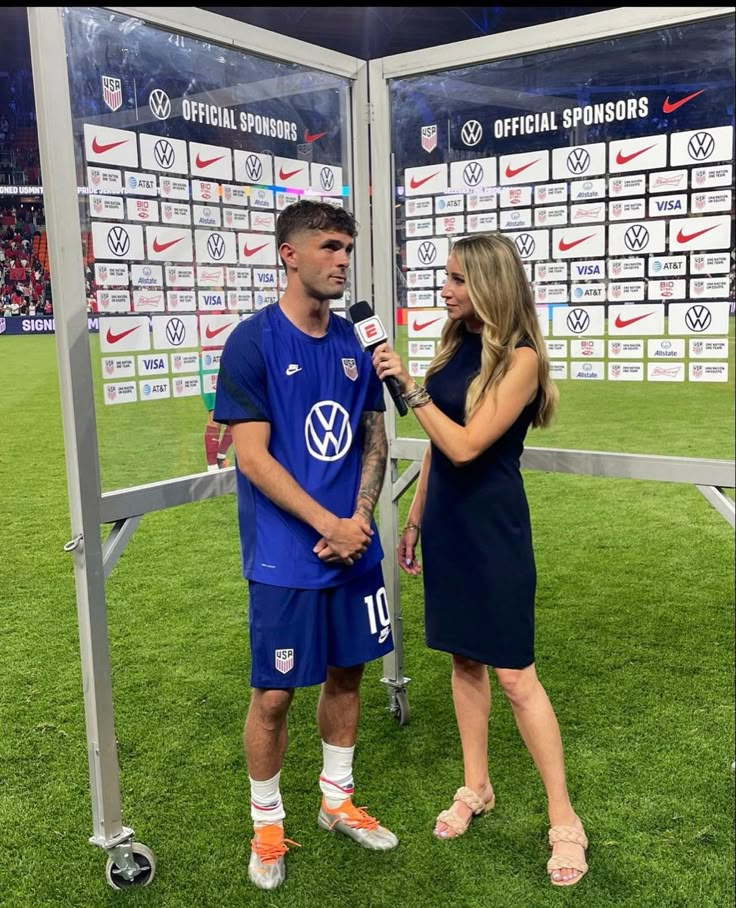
pixel 378 616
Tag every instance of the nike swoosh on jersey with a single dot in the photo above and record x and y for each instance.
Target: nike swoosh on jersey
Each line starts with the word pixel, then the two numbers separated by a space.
pixel 622 158
pixel 686 237
pixel 285 175
pixel 249 252
pixel 114 338
pixel 623 322
pixel 669 107
pixel 207 161
pixel 162 247
pixel 313 138
pixel 414 183
pixel 514 171
pixel 101 149
pixel 565 246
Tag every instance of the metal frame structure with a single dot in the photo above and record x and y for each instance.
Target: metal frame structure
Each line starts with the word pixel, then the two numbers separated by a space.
pixel 130 863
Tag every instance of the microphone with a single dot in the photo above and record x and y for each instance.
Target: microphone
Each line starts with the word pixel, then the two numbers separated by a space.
pixel 371 334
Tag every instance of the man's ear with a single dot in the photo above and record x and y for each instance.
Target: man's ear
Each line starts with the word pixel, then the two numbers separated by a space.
pixel 287 253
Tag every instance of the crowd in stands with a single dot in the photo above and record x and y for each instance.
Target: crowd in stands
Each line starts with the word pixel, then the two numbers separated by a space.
pixel 26 286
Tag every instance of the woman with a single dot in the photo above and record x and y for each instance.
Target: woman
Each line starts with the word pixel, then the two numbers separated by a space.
pixel 487 384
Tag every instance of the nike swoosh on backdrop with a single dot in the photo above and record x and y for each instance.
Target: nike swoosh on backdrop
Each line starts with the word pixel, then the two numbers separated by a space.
pixel 207 161
pixel 162 247
pixel 414 183
pixel 419 325
pixel 668 107
pixel 565 246
pixel 622 158
pixel 686 237
pixel 514 171
pixel 101 149
pixel 623 322
pixel 285 175
pixel 249 252
pixel 210 333
pixel 114 338
pixel 313 138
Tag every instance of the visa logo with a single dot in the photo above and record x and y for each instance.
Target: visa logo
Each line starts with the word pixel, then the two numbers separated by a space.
pixel 265 277
pixel 156 364
pixel 668 205
pixel 589 269
pixel 212 299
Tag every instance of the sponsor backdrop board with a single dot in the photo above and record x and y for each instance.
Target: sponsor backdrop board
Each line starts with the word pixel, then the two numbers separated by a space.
pixel 616 187
pixel 184 167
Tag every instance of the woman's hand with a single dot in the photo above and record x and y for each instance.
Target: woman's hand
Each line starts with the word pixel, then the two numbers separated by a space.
pixel 387 362
pixel 406 551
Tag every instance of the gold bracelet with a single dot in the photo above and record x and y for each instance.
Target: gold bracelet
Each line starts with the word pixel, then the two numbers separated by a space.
pixel 411 526
pixel 417 397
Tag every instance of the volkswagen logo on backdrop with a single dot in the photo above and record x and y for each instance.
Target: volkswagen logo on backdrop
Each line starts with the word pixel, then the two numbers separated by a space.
pixel 472 173
pixel 472 132
pixel 159 103
pixel 216 246
pixel 163 152
pixel 578 161
pixel 525 244
pixel 578 320
pixel 175 332
pixel 253 167
pixel 326 179
pixel 327 431
pixel 698 318
pixel 701 146
pixel 118 241
pixel 427 253
pixel 636 238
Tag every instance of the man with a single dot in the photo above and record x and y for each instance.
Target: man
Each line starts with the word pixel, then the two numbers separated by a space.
pixel 306 412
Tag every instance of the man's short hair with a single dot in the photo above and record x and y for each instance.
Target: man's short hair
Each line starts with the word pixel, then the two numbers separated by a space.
pixel 309 215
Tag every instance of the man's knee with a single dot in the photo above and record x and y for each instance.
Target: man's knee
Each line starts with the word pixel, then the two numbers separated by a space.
pixel 344 680
pixel 271 706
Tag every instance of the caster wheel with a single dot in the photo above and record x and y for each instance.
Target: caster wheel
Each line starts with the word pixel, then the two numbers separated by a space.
pixel 402 713
pixel 146 863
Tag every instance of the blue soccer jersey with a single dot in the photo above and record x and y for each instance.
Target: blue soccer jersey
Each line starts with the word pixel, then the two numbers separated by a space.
pixel 313 391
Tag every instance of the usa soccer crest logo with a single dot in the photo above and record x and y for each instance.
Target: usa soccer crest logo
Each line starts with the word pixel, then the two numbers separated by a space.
pixel 283 660
pixel 112 92
pixel 350 368
pixel 429 138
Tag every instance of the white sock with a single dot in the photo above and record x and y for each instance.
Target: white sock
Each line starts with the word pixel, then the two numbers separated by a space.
pixel 266 806
pixel 336 779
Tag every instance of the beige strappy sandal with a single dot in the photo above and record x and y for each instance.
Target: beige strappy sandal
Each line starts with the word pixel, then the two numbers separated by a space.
pixel 558 862
pixel 468 797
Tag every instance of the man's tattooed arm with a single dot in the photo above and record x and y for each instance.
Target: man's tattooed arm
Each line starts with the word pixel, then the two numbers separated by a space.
pixel 375 453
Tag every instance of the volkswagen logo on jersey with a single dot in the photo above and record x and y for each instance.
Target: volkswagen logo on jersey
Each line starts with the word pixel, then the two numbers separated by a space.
pixel 327 431
pixel 701 146
pixel 118 241
pixel 160 104
pixel 163 152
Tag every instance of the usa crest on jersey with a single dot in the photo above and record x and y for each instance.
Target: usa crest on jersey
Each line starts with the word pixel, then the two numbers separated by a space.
pixel 350 368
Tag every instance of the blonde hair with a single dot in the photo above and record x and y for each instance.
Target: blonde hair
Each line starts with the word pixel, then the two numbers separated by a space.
pixel 501 296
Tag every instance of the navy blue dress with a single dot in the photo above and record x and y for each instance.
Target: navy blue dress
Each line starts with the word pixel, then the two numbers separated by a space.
pixel 477 556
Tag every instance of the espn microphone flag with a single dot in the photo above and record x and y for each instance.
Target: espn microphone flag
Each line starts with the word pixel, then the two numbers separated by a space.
pixel 370 333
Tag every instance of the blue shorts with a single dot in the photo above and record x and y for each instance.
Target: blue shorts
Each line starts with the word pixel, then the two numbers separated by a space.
pixel 296 634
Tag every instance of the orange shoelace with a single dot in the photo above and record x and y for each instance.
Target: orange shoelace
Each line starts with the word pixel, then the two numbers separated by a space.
pixel 269 844
pixel 357 817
